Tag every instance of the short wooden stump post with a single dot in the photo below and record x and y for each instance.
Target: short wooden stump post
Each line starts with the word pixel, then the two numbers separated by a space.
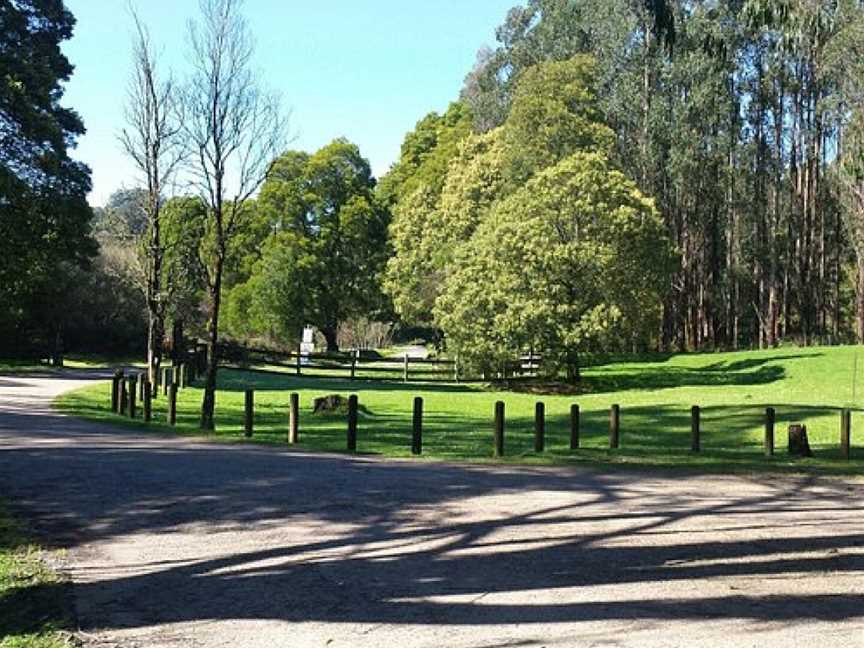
pixel 574 427
pixel 294 418
pixel 148 401
pixel 172 404
pixel 115 391
pixel 352 423
pixel 124 397
pixel 770 418
pixel 846 434
pixel 499 429
pixel 695 429
pixel 539 427
pixel 614 426
pixel 417 427
pixel 166 382
pixel 799 444
pixel 249 413
pixel 133 393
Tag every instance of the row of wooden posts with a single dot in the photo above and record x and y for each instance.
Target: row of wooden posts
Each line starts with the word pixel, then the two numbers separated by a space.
pixel 539 426
pixel 128 390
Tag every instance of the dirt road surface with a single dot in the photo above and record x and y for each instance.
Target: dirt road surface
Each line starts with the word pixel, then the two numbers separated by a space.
pixel 175 542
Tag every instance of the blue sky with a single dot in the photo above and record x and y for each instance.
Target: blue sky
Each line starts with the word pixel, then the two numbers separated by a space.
pixel 363 69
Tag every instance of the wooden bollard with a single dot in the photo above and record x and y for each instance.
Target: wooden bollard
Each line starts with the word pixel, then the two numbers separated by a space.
pixel 353 364
pixel 846 433
pixel 405 369
pixel 417 427
pixel 539 427
pixel 352 423
pixel 141 378
pixel 299 359
pixel 294 419
pixel 770 418
pixel 499 429
pixel 614 426
pixel 182 371
pixel 249 411
pixel 166 382
pixel 148 401
pixel 172 404
pixel 133 394
pixel 115 391
pixel 124 397
pixel 574 427
pixel 695 429
pixel 154 387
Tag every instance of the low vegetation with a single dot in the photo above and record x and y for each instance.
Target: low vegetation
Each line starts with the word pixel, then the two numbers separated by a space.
pixel 655 394
pixel 33 599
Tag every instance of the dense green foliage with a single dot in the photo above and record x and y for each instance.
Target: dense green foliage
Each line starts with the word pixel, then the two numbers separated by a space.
pixel 575 260
pixel 734 131
pixel 44 216
pixel 809 386
pixel 325 246
pixel 534 236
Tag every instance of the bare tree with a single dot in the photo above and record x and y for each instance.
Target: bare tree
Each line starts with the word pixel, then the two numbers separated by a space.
pixel 235 130
pixel 152 139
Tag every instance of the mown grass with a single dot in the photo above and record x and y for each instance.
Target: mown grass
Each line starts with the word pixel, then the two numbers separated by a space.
pixel 33 599
pixel 807 385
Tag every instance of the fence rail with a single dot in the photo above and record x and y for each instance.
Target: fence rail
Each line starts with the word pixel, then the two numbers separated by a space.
pixel 354 365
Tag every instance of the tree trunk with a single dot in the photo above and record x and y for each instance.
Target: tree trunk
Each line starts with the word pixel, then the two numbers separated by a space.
pixel 859 301
pixel 208 405
pixel 329 333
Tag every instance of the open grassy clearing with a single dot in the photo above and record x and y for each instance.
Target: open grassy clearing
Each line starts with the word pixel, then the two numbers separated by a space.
pixel 33 599
pixel 805 385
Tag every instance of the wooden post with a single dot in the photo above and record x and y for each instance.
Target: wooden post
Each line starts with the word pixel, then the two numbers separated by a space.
pixel 574 427
pixel 154 388
pixel 456 369
pixel 769 431
pixel 133 393
pixel 614 426
pixel 499 429
pixel 248 422
pixel 298 361
pixel 353 363
pixel 405 370
pixel 695 429
pixel 846 433
pixel 142 378
pixel 166 383
pixel 183 377
pixel 148 401
pixel 294 419
pixel 539 427
pixel 352 423
pixel 124 397
pixel 417 432
pixel 115 391
pixel 172 404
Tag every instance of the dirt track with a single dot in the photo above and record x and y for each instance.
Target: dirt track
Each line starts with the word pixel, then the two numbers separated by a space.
pixel 180 543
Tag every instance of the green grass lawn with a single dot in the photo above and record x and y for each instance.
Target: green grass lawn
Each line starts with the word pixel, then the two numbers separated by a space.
pixel 33 599
pixel 807 385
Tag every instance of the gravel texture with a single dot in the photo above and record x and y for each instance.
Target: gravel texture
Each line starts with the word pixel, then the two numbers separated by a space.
pixel 183 542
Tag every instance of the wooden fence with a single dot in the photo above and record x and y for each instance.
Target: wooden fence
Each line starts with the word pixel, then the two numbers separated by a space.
pixel 354 365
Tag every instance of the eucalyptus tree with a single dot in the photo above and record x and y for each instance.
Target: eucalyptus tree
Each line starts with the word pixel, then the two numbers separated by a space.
pixel 234 130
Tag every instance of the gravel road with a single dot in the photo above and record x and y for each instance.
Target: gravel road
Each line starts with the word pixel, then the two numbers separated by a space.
pixel 178 542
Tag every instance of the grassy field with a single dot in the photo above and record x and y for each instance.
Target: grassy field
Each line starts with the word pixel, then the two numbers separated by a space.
pixel 733 389
pixel 33 600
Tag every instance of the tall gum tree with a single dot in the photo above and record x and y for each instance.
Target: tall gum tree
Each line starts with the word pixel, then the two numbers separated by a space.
pixel 234 130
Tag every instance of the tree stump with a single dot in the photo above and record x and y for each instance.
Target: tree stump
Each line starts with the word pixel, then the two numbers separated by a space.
pixel 799 446
pixel 328 404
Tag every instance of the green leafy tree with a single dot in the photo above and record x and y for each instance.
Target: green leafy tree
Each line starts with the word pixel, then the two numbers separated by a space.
pixel 576 259
pixel 44 215
pixel 322 263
